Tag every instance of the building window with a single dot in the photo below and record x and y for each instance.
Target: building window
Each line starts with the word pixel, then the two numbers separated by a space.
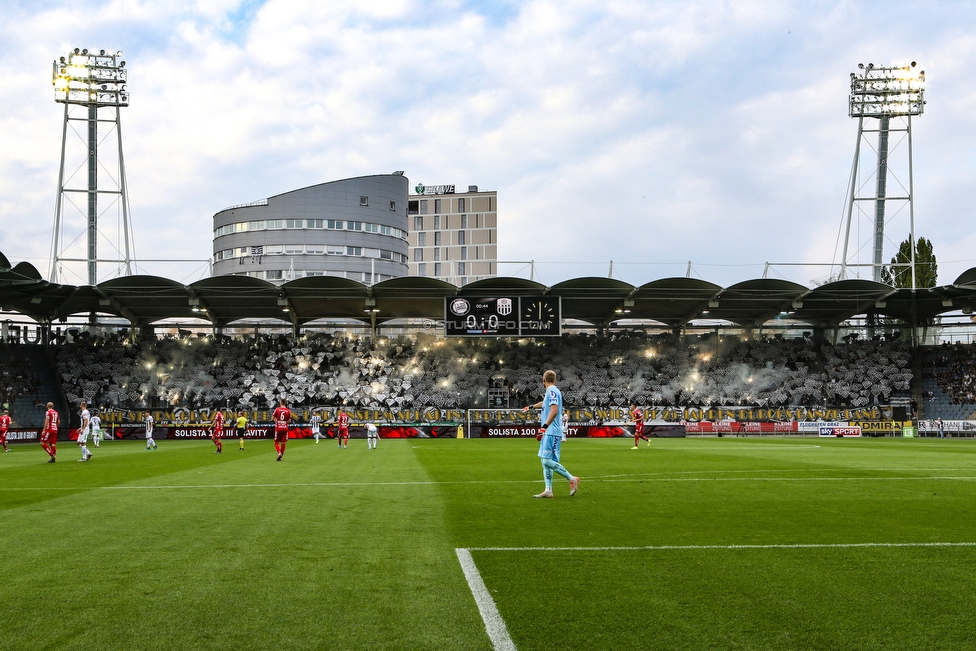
pixel 334 249
pixel 437 268
pixel 437 222
pixel 464 253
pixel 421 239
pixel 437 238
pixel 477 221
pixel 464 281
pixel 412 208
pixel 354 250
pixel 460 239
pixel 273 274
pixel 460 268
pixel 437 206
pixel 423 206
pixel 464 221
pixel 334 224
pixel 393 206
pixel 418 223
pixel 315 223
pixel 294 249
pixel 363 201
pixel 422 269
pixel 461 204
pixel 314 249
pixel 418 255
pixel 437 254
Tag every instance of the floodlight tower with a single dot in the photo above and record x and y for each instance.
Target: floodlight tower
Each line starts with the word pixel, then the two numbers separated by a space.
pixel 93 81
pixel 883 92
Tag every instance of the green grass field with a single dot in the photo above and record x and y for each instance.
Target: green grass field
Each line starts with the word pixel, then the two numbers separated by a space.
pixel 688 544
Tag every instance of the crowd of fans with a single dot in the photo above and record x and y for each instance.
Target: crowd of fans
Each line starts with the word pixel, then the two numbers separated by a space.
pixel 18 378
pixel 422 370
pixel 954 370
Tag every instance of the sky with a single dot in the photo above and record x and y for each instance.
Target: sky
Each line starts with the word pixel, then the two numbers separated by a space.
pixel 708 138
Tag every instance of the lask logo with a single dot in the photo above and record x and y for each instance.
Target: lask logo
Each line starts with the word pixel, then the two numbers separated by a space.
pixel 504 306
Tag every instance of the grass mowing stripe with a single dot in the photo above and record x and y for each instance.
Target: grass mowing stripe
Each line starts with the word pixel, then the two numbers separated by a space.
pixel 494 624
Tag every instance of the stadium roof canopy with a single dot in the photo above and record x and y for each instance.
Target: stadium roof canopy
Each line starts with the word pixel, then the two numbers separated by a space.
pixel 224 300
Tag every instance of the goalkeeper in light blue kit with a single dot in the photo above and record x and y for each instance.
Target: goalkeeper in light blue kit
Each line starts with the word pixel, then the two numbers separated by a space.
pixel 551 435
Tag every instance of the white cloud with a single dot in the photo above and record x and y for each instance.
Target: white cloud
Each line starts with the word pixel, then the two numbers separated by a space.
pixel 650 133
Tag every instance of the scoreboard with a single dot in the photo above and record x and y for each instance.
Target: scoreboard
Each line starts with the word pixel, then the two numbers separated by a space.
pixel 505 316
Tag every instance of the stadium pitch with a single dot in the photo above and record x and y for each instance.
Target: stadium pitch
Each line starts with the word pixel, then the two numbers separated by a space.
pixel 437 544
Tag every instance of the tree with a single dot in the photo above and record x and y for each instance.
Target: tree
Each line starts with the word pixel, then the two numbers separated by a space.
pixel 926 267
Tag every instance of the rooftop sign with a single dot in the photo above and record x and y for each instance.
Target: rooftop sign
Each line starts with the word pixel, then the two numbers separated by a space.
pixel 434 189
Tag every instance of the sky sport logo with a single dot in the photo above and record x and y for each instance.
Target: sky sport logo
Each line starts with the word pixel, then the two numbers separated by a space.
pixel 460 307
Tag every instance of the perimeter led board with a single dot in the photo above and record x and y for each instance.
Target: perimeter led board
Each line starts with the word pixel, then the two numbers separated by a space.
pixel 505 316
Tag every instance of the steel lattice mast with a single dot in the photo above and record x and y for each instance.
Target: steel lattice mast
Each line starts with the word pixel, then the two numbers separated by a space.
pixel 882 93
pixel 93 81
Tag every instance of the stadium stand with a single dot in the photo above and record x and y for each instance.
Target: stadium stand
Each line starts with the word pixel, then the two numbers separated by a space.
pixel 949 382
pixel 26 383
pixel 417 371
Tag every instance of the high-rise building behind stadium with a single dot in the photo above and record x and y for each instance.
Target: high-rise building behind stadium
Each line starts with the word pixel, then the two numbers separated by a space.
pixel 453 236
pixel 352 228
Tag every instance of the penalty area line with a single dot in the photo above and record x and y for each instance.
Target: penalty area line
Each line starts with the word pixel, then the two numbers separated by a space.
pixel 723 547
pixel 494 624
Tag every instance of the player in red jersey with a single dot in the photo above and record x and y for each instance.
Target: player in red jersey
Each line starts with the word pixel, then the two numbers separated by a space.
pixel 217 431
pixel 281 416
pixel 49 435
pixel 638 417
pixel 343 422
pixel 4 424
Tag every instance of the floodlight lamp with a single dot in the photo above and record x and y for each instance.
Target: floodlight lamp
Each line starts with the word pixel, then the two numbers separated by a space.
pixel 882 91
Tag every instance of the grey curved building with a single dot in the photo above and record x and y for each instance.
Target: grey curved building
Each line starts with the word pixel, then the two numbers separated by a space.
pixel 353 228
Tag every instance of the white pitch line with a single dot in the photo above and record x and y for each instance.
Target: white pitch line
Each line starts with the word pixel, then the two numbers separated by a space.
pixel 635 478
pixel 794 479
pixel 724 547
pixel 494 624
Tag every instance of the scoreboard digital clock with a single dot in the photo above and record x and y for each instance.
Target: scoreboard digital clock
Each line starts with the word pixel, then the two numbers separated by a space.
pixel 507 316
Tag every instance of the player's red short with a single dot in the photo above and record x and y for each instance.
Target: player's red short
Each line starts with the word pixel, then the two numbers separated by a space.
pixel 343 433
pixel 281 435
pixel 218 433
pixel 49 437
pixel 639 427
